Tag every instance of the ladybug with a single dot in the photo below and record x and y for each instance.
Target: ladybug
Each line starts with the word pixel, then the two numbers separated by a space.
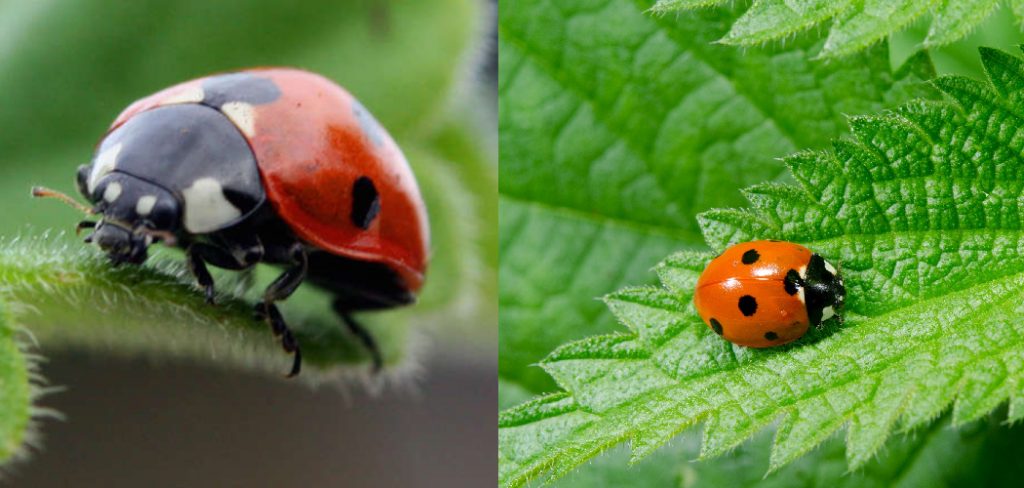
pixel 268 165
pixel 767 293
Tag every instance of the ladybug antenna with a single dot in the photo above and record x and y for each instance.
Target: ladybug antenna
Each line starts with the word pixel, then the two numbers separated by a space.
pixel 42 192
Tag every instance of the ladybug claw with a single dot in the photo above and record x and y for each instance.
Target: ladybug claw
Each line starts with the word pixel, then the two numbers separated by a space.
pixel 209 294
pixel 268 312
pixel 296 364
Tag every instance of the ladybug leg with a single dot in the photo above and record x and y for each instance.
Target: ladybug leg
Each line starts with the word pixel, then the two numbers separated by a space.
pixel 200 253
pixel 289 281
pixel 198 268
pixel 280 289
pixel 359 331
pixel 268 311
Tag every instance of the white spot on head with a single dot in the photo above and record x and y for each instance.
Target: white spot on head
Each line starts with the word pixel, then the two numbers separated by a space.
pixel 145 205
pixel 112 192
pixel 103 164
pixel 192 94
pixel 800 295
pixel 242 115
pixel 206 209
pixel 827 313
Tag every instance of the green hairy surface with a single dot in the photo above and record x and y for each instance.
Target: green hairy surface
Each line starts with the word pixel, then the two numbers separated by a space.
pixel 921 210
pixel 16 390
pixel 852 25
pixel 617 127
pixel 72 296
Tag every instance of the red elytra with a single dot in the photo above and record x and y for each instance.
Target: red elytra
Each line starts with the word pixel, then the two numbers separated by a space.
pixel 767 293
pixel 309 160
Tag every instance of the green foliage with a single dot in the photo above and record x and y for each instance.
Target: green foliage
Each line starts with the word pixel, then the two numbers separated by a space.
pixel 921 210
pixel 618 127
pixel 855 24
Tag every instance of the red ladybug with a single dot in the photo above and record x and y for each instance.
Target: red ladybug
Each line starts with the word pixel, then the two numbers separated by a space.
pixel 767 293
pixel 271 165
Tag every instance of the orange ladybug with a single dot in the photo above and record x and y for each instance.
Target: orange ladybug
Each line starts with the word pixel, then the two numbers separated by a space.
pixel 766 293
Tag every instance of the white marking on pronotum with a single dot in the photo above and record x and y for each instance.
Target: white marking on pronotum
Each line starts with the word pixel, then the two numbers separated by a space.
pixel 192 94
pixel 803 272
pixel 206 209
pixel 242 115
pixel 112 192
pixel 827 313
pixel 103 164
pixel 830 268
pixel 800 295
pixel 145 205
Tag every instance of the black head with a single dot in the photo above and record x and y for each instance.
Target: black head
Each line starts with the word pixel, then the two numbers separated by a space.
pixel 168 173
pixel 135 214
pixel 824 291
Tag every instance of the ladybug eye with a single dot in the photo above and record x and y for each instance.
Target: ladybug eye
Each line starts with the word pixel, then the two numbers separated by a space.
pixel 83 181
pixel 161 215
pixel 365 202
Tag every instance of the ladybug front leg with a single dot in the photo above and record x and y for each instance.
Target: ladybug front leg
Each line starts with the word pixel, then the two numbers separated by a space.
pixel 280 289
pixel 200 253
pixel 198 268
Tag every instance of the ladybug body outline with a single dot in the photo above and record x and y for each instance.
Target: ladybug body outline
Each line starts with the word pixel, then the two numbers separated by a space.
pixel 269 165
pixel 767 293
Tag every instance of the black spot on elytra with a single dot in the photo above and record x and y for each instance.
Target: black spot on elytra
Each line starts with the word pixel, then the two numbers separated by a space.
pixel 771 336
pixel 748 305
pixel 365 202
pixel 716 326
pixel 791 282
pixel 750 257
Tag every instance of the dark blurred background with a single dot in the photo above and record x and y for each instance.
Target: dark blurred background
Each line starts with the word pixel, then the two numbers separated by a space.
pixel 135 420
pixel 132 424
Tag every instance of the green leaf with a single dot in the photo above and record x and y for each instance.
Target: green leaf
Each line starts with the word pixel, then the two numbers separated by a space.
pixel 973 455
pixel 921 210
pixel 16 391
pixel 855 24
pixel 606 113
pixel 72 295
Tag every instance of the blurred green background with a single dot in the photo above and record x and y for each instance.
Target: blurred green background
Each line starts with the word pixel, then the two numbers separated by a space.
pixel 425 69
